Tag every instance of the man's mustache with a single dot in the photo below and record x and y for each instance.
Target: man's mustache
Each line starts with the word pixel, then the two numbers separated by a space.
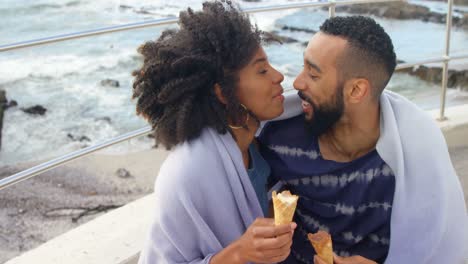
pixel 304 97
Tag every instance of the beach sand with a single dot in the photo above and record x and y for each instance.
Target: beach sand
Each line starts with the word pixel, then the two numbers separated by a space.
pixel 40 208
pixel 43 207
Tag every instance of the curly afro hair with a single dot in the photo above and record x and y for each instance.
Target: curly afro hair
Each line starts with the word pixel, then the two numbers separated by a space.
pixel 175 86
pixel 370 53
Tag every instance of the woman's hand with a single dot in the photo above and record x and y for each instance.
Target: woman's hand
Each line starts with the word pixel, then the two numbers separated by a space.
pixel 345 260
pixel 263 242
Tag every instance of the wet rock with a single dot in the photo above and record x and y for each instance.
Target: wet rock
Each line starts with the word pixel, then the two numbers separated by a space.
pixel 3 101
pixel 110 82
pixel 104 118
pixel 456 79
pixel 35 110
pixel 282 39
pixel 123 173
pixel 125 7
pixel 464 21
pixel 11 103
pixel 399 10
pixel 78 138
pixel 461 2
pixel 307 30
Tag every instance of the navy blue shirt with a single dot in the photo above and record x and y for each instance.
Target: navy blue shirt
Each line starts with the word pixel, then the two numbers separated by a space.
pixel 350 200
pixel 259 172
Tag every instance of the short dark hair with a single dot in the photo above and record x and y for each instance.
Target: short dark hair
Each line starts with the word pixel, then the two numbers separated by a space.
pixel 370 52
pixel 175 86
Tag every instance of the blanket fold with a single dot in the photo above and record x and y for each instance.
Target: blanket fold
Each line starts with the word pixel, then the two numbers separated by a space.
pixel 204 201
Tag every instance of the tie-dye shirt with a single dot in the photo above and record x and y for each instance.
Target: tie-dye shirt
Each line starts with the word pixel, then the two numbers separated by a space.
pixel 350 200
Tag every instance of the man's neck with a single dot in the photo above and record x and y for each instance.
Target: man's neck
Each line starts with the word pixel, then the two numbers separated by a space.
pixel 352 137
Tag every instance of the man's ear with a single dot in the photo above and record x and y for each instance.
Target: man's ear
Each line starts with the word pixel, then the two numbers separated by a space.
pixel 219 94
pixel 357 90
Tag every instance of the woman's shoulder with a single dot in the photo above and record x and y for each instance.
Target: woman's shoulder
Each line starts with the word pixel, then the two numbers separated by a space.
pixel 188 165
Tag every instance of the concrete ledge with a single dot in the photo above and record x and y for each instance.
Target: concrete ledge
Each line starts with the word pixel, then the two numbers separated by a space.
pixel 115 237
pixel 118 236
pixel 455 128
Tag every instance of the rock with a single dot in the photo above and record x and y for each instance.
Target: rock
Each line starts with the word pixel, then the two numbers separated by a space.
pixel 463 22
pixel 253 1
pixel 123 173
pixel 125 7
pixel 456 79
pixel 3 98
pixel 35 110
pixel 282 39
pixel 3 101
pixel 461 2
pixel 307 30
pixel 11 103
pixel 105 118
pixel 399 10
pixel 110 82
pixel 81 139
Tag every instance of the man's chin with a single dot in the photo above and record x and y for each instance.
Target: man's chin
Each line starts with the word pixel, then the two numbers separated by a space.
pixel 308 116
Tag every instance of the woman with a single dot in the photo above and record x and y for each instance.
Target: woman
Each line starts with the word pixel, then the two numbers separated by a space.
pixel 204 89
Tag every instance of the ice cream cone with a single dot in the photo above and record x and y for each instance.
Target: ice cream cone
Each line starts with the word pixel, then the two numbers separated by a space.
pixel 322 243
pixel 284 205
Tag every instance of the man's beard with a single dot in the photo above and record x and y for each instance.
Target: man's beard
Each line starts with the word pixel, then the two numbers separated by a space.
pixel 326 115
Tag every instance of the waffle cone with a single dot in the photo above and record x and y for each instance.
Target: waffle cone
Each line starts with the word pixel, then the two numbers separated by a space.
pixel 284 211
pixel 322 243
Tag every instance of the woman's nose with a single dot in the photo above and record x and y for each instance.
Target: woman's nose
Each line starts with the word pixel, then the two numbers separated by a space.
pixel 278 77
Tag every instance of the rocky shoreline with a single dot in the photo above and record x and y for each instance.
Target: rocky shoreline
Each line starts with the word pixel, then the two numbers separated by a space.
pixel 403 11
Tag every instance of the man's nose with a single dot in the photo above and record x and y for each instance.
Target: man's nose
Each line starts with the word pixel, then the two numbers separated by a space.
pixel 299 83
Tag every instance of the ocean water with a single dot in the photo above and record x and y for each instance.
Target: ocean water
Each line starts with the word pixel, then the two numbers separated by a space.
pixel 65 77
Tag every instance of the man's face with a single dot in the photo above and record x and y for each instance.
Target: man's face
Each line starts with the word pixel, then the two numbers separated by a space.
pixel 318 84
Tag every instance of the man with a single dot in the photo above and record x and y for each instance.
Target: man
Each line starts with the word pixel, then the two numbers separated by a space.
pixel 370 167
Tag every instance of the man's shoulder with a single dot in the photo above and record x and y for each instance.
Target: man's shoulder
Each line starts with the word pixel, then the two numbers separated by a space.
pixel 282 130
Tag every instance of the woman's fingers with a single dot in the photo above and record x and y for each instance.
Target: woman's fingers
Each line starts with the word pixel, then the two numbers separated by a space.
pixel 267 231
pixel 285 249
pixel 276 242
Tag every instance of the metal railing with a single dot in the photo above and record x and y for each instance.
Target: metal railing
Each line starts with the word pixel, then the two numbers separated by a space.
pixel 33 171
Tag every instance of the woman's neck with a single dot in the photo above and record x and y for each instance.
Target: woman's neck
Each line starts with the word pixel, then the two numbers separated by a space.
pixel 245 137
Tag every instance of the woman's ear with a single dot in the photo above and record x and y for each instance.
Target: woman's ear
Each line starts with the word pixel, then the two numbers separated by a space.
pixel 219 94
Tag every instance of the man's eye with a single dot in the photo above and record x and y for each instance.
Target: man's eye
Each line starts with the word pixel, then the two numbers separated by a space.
pixel 263 71
pixel 313 77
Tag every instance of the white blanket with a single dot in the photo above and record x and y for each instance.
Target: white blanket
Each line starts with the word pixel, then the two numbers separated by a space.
pixel 429 223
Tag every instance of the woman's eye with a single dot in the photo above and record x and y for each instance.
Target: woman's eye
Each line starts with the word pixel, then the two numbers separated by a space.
pixel 263 71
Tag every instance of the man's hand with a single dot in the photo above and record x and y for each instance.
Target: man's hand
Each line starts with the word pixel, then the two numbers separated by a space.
pixel 345 260
pixel 263 242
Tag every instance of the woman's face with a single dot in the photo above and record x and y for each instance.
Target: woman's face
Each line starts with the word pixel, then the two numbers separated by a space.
pixel 260 87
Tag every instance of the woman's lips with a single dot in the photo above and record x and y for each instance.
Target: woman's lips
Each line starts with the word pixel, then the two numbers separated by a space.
pixel 279 97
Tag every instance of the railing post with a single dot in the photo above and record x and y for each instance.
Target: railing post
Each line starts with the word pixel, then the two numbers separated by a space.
pixel 331 8
pixel 446 61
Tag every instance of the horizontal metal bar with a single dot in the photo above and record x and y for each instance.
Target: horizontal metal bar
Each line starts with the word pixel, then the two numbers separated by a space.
pixel 165 21
pixel 459 57
pixel 31 172
pixel 87 33
pixel 432 60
